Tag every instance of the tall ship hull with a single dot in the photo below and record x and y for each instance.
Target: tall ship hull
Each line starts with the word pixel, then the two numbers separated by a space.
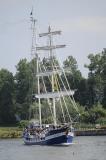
pixel 54 137
pixel 50 95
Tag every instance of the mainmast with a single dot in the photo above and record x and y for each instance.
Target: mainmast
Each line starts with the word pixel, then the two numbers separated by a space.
pixel 60 93
pixel 50 48
pixel 51 56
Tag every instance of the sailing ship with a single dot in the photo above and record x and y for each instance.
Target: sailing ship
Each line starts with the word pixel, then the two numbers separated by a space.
pixel 56 133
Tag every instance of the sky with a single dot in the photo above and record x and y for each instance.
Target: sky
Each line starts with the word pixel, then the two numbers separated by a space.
pixel 82 22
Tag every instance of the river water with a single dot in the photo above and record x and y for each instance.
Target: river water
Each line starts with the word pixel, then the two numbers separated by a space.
pixel 83 148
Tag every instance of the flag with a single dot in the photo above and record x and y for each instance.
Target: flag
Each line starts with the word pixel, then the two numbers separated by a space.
pixel 31 12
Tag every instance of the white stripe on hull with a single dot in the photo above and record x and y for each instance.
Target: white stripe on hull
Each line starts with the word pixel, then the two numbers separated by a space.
pixel 55 135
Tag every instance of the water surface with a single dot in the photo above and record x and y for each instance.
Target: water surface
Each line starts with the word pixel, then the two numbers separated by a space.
pixel 84 148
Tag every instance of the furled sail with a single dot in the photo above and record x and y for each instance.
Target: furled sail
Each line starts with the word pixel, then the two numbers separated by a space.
pixel 54 94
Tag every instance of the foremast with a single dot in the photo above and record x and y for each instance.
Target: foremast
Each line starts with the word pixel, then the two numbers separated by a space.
pixel 34 54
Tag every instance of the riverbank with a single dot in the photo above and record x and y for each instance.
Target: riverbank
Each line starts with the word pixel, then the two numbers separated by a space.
pixel 10 132
pixel 16 132
pixel 90 132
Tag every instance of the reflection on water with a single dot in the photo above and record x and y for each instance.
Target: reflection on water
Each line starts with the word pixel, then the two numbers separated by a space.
pixel 84 148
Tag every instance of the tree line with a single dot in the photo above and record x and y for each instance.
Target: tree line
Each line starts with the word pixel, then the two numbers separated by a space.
pixel 16 91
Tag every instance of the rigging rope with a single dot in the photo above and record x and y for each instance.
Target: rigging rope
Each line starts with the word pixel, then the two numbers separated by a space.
pixel 46 90
pixel 62 95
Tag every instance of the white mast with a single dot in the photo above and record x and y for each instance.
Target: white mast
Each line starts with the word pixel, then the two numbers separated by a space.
pixel 51 56
pixel 54 94
pixel 50 47
pixel 35 55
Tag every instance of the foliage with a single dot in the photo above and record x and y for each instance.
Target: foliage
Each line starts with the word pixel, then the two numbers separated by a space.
pixel 23 123
pixel 101 120
pixel 74 76
pixel 23 79
pixel 97 78
pixel 17 92
pixel 96 112
pixel 93 114
pixel 7 107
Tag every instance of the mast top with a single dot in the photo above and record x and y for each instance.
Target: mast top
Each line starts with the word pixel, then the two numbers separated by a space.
pixel 31 17
pixel 49 33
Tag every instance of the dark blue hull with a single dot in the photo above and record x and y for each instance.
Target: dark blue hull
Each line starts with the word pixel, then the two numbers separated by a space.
pixel 60 140
pixel 53 137
pixel 63 140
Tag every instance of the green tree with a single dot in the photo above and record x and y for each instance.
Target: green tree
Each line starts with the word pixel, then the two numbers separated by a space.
pixel 76 81
pixel 74 76
pixel 7 107
pixel 96 112
pixel 81 94
pixel 23 80
pixel 97 78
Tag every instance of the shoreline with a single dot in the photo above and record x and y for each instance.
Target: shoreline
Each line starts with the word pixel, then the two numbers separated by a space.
pixel 90 132
pixel 8 132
